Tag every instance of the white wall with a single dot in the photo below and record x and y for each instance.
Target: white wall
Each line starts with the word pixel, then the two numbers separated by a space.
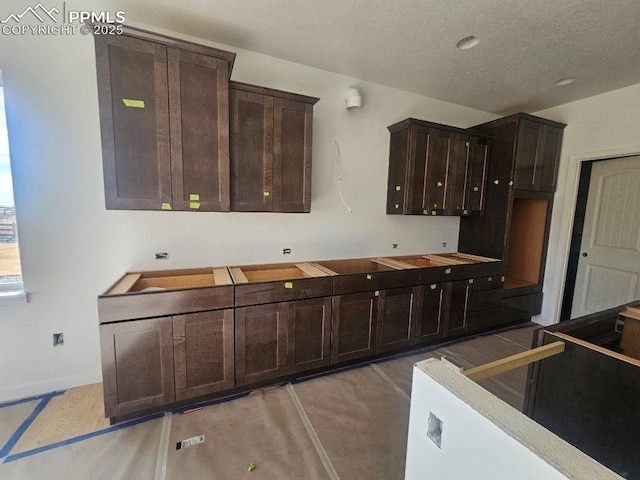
pixel 483 437
pixel 604 126
pixel 72 249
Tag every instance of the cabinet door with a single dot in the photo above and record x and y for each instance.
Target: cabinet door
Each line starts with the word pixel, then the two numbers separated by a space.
pixel 440 150
pixel 456 170
pixel 476 177
pixel 415 201
pixel 203 349
pixel 251 151
pixel 528 142
pixel 137 365
pixel 261 343
pixel 430 312
pixel 458 305
pixel 199 106
pixel 134 121
pixel 308 334
pixel 547 161
pixel 398 164
pixel 354 326
pixel 292 123
pixel 395 318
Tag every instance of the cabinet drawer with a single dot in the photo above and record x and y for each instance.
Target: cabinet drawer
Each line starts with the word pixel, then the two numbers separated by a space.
pixel 113 308
pixel 367 282
pixel 484 319
pixel 488 268
pixel 282 291
pixel 521 308
pixel 445 273
pixel 486 299
pixel 486 283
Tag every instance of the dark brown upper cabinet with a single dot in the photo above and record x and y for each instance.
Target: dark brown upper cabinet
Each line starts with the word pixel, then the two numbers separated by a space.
pixel 199 114
pixel 436 169
pixel 537 153
pixel 271 138
pixel 164 121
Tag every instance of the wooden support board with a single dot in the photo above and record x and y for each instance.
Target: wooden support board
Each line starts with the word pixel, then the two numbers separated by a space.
pixel 311 270
pixel 389 262
pixel 238 275
pixel 124 284
pixel 324 269
pixel 221 276
pixel 514 361
pixel 448 260
pixel 476 257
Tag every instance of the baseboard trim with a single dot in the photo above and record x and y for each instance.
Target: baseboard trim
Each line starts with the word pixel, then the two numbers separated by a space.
pixel 34 389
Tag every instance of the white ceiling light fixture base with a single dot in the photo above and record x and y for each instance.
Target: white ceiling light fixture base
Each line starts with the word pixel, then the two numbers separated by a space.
pixel 468 42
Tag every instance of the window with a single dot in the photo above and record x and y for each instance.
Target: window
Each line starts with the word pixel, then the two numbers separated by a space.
pixel 10 271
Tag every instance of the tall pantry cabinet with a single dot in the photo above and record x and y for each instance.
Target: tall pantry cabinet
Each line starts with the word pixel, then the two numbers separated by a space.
pixel 521 183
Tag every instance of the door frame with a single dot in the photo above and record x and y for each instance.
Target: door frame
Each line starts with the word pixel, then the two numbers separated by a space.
pixel 568 212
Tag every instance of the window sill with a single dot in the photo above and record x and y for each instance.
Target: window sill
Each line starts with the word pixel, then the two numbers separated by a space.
pixel 15 297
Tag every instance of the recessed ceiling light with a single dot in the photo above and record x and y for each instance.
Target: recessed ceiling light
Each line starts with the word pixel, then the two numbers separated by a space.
pixel 468 42
pixel 564 81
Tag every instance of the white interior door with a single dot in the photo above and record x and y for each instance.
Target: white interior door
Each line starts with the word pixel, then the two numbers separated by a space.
pixel 609 266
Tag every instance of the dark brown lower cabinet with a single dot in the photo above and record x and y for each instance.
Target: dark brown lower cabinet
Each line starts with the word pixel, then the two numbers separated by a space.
pixel 261 343
pixel 137 365
pixel 430 312
pixel 203 352
pixel 485 303
pixel 395 324
pixel 283 338
pixel 521 308
pixel 309 334
pixel 353 333
pixel 458 307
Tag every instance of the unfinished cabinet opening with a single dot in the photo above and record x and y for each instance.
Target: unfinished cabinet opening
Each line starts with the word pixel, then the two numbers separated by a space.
pixel 354 266
pixel 275 272
pixel 526 242
pixel 170 280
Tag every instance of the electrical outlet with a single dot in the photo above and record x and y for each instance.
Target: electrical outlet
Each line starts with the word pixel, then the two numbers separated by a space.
pixel 434 430
pixel 444 244
pixel 162 256
pixel 395 245
pixel 286 251
pixel 58 339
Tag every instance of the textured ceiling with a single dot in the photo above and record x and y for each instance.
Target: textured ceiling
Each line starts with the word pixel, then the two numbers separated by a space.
pixel 411 44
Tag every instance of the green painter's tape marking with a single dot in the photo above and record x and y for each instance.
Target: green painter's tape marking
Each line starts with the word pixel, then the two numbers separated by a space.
pixel 133 103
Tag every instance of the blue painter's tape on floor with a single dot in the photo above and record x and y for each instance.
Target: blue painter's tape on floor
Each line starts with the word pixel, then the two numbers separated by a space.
pixel 28 421
pixel 30 399
pixel 18 456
